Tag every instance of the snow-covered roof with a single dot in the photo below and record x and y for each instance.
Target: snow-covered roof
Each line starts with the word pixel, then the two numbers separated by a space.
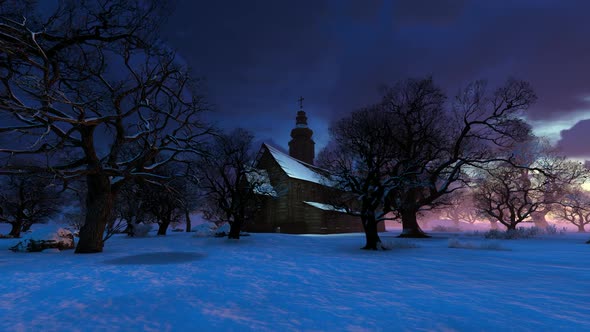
pixel 297 169
pixel 325 207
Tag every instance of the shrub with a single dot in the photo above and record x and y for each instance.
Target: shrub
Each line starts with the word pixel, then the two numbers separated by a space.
pixel 523 233
pixel 553 230
pixel 446 229
pixel 488 245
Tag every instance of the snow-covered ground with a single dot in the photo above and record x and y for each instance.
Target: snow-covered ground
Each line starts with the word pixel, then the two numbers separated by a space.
pixel 279 282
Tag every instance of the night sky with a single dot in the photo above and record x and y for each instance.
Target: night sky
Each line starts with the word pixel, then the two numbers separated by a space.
pixel 258 57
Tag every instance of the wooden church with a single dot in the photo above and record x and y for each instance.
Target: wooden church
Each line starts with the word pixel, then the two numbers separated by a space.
pixel 302 190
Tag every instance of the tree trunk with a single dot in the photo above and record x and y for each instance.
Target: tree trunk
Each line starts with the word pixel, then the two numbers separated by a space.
pixel 234 230
pixel 373 242
pixel 581 228
pixel 27 226
pixel 187 220
pixel 539 219
pixel 99 205
pixel 410 227
pixel 163 227
pixel 129 228
pixel 511 226
pixel 493 224
pixel 16 227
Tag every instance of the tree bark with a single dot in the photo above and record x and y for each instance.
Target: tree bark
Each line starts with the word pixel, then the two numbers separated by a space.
pixel 15 229
pixel 410 227
pixel 99 205
pixel 511 227
pixel 494 224
pixel 581 229
pixel 373 242
pixel 234 230
pixel 539 219
pixel 163 227
pixel 26 226
pixel 187 220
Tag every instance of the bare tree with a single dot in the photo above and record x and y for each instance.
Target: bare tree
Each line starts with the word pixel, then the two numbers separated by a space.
pixel 191 197
pixel 509 194
pixel 575 208
pixel 26 200
pixel 89 80
pixel 162 203
pixel 230 183
pixel 129 206
pixel 459 207
pixel 360 160
pixel 435 145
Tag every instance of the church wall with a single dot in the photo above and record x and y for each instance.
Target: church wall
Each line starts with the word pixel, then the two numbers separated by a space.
pixel 288 211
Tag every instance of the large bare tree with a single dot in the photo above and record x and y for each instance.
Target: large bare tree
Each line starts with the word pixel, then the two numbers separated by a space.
pixel 509 194
pixel 230 183
pixel 575 208
pixel 26 200
pixel 90 80
pixel 360 160
pixel 437 142
pixel 513 192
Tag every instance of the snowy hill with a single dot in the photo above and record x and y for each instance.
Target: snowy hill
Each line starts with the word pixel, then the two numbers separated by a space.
pixel 270 282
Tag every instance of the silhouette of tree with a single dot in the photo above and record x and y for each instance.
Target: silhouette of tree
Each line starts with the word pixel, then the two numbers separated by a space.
pixel 89 80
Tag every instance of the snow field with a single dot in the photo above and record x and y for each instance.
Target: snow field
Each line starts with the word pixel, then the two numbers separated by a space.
pixel 271 282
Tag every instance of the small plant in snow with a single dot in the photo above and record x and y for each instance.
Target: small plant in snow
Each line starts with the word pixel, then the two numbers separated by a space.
pixel 446 229
pixel 508 234
pixel 553 230
pixel 399 244
pixel 456 243
pixel 523 233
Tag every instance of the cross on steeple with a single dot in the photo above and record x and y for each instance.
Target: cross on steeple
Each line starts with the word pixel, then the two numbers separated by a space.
pixel 301 102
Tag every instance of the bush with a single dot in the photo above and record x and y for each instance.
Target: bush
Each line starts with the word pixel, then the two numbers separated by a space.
pixel 446 229
pixel 488 245
pixel 553 230
pixel 523 233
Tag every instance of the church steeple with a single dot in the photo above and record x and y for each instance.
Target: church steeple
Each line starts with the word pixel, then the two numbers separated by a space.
pixel 302 146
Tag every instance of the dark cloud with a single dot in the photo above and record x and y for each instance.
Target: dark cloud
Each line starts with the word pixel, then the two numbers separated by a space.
pixel 575 142
pixel 432 12
pixel 260 56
